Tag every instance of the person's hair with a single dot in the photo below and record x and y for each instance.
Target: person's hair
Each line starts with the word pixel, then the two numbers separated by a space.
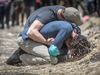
pixel 80 46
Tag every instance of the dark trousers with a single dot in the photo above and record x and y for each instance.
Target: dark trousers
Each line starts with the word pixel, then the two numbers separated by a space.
pixel 54 2
pixel 98 7
pixel 4 11
pixel 45 2
pixel 90 6
pixel 37 5
pixel 17 10
pixel 27 10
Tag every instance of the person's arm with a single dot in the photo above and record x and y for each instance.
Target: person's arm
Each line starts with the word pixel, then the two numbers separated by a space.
pixel 34 33
pixel 62 35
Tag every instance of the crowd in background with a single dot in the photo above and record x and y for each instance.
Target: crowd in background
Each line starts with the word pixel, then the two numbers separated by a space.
pixel 11 9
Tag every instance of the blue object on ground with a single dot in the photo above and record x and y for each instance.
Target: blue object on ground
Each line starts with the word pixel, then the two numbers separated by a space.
pixel 50 70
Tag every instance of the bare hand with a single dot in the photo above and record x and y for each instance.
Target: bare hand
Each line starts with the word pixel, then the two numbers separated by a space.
pixel 50 41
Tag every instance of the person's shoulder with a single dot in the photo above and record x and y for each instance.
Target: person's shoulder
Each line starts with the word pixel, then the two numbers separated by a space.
pixel 65 24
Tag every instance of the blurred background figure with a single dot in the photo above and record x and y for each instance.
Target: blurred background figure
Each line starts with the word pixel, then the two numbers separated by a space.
pixel 90 6
pixel 95 6
pixel 46 2
pixel 4 11
pixel 19 7
pixel 19 10
pixel 66 3
pixel 38 4
pixel 22 9
pixel 28 4
pixel 98 8
pixel 54 2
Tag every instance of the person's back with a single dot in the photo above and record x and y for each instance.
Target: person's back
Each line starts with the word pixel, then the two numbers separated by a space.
pixel 44 15
pixel 53 28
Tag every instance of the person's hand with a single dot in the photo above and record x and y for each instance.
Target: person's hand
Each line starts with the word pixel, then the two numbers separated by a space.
pixel 50 40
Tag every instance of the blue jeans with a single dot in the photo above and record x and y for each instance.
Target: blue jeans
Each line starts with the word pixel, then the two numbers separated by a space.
pixel 4 11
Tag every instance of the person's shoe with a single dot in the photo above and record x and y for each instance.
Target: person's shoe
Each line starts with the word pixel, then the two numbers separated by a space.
pixel 14 59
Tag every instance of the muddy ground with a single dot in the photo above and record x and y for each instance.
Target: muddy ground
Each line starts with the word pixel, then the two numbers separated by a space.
pixel 89 65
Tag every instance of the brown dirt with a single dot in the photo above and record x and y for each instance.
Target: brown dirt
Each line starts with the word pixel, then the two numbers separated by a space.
pixel 89 65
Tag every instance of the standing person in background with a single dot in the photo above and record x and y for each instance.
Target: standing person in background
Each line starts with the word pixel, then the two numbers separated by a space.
pixel 66 3
pixel 4 11
pixel 55 2
pixel 28 4
pixel 37 4
pixel 95 6
pixel 13 16
pixel 90 6
pixel 98 8
pixel 18 7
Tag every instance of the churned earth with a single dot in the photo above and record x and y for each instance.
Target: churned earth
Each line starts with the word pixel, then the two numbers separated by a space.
pixel 89 65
